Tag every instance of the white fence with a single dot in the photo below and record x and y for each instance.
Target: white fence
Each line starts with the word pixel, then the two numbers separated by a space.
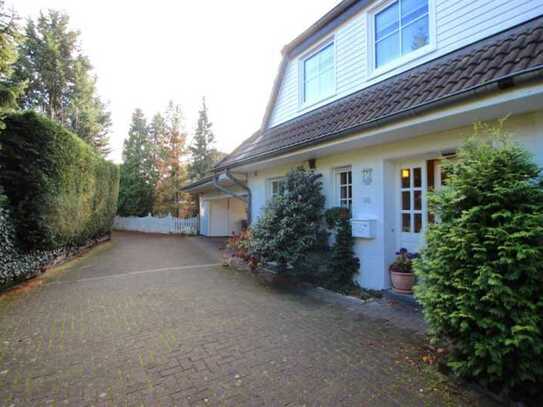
pixel 151 224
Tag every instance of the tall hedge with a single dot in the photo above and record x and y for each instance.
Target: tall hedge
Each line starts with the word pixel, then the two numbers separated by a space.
pixel 61 192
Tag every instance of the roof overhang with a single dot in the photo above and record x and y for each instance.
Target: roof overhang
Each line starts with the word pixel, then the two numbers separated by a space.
pixel 207 184
pixel 479 107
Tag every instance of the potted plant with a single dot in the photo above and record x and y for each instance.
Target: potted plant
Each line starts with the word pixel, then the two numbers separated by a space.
pixel 401 272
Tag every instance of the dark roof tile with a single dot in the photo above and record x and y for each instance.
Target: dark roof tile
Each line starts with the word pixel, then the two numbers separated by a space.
pixel 504 54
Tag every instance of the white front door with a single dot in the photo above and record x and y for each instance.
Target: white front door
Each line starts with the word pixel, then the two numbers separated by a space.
pixel 411 186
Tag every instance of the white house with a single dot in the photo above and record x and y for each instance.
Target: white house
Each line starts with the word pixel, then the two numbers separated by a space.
pixel 374 96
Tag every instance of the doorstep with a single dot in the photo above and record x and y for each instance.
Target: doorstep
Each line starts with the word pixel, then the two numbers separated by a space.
pixel 409 299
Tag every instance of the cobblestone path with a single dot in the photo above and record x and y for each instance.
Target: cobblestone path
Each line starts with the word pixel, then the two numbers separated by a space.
pixel 156 321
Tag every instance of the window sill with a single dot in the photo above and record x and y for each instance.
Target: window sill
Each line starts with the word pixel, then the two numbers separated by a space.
pixel 404 60
pixel 305 106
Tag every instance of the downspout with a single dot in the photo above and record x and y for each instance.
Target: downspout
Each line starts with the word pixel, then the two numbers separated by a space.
pixel 246 199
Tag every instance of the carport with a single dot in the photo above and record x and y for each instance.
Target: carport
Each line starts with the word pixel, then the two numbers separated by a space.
pixel 223 205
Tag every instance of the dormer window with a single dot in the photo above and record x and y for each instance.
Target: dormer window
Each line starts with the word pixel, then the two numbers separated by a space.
pixel 318 75
pixel 400 28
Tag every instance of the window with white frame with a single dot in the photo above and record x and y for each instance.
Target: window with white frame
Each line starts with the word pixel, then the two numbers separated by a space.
pixel 277 186
pixel 344 182
pixel 399 29
pixel 318 75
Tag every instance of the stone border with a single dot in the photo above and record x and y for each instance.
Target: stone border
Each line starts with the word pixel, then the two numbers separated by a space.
pixel 319 293
pixel 57 261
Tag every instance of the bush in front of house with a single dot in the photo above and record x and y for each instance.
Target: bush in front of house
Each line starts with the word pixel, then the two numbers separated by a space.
pixel 291 225
pixel 481 273
pixel 60 191
pixel 343 265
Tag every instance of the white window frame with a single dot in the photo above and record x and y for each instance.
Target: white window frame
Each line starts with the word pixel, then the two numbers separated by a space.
pixel 338 185
pixel 403 59
pixel 302 104
pixel 270 182
pixel 412 190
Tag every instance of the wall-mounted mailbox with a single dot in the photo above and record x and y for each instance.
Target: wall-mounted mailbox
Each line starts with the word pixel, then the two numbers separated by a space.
pixel 364 228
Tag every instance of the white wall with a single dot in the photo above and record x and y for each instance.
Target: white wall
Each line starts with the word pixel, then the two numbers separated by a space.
pixel 458 23
pixel 377 201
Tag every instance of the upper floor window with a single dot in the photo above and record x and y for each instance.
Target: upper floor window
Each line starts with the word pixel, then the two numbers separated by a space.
pixel 399 29
pixel 344 182
pixel 318 75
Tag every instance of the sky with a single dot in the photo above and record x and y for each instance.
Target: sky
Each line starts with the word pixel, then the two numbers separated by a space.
pixel 146 53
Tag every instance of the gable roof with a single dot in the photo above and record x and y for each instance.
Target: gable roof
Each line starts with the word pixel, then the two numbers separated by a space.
pixel 498 59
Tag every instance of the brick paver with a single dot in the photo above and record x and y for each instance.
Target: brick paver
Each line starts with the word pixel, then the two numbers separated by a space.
pixel 149 320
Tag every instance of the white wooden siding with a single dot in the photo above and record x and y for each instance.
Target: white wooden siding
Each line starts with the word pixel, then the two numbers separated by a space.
pixel 458 23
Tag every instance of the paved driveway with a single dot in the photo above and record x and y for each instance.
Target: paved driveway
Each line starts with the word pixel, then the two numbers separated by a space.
pixel 149 320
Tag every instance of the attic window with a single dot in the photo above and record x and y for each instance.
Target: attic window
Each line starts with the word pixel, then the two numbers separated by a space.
pixel 318 75
pixel 399 29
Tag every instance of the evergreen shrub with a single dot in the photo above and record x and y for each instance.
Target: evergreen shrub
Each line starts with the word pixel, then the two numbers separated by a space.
pixel 291 225
pixel 343 264
pixel 61 192
pixel 481 273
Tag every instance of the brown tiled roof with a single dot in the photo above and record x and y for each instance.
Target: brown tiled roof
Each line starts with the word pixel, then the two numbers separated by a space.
pixel 502 56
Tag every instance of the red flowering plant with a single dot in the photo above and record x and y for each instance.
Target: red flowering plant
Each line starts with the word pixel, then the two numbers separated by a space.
pixel 240 246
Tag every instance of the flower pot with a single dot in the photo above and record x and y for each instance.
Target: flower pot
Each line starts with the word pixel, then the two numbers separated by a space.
pixel 402 282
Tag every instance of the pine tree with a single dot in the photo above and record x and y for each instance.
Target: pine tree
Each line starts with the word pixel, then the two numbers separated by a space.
pixel 87 115
pixel 59 80
pixel 203 153
pixel 9 38
pixel 138 171
pixel 46 61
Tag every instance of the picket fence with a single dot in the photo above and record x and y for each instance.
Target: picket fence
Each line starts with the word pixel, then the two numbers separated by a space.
pixel 151 224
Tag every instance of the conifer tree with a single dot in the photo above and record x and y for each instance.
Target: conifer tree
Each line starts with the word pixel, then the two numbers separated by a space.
pixel 87 115
pixel 480 276
pixel 343 263
pixel 202 148
pixel 59 79
pixel 138 171
pixel 9 38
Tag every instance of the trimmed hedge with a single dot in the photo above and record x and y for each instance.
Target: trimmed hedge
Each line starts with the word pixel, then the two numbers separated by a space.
pixel 61 192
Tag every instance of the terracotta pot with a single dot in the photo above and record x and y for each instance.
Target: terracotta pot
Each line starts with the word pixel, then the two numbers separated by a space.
pixel 402 282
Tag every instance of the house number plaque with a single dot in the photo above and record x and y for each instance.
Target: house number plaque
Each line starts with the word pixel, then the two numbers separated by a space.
pixel 367 176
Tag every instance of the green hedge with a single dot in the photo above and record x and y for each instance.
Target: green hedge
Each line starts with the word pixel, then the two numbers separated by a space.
pixel 61 192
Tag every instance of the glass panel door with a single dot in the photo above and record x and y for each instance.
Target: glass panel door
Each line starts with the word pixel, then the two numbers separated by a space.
pixel 412 205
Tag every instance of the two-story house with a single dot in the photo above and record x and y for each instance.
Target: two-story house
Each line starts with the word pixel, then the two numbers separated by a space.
pixel 374 96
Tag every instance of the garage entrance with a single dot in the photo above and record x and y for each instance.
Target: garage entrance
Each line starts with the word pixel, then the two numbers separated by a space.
pixel 224 216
